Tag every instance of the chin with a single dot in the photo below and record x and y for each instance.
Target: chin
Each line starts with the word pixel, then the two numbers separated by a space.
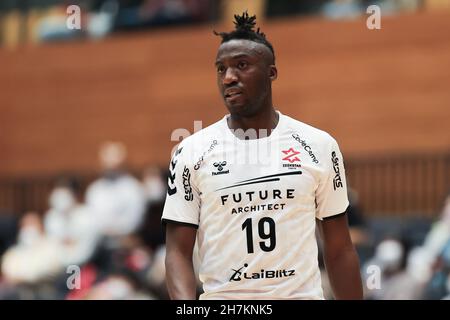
pixel 240 110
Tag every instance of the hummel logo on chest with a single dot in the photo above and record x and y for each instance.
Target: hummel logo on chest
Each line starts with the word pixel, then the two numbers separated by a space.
pixel 220 165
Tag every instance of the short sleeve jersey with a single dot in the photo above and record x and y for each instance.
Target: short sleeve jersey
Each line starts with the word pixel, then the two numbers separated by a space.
pixel 255 203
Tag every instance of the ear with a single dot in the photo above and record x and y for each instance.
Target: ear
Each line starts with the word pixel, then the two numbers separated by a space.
pixel 273 72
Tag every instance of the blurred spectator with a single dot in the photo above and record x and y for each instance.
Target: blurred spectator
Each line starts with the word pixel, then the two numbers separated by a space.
pixel 8 230
pixel 408 284
pixel 101 22
pixel 53 25
pixel 388 258
pixel 118 287
pixel 437 287
pixel 131 262
pixel 427 266
pixel 390 7
pixel 116 199
pixel 440 231
pixel 155 189
pixel 144 13
pixel 437 244
pixel 35 257
pixel 71 224
pixel 342 9
pixel 154 185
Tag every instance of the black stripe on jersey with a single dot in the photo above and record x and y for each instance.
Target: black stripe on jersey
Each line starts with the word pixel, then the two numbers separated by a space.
pixel 255 182
pixel 335 216
pixel 165 221
pixel 259 180
pixel 274 175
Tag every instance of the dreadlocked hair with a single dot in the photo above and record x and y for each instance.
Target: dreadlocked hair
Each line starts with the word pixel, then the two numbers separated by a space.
pixel 245 29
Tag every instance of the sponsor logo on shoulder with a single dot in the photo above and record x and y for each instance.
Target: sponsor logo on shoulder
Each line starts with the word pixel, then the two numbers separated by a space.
pixel 189 196
pixel 202 157
pixel 305 146
pixel 337 180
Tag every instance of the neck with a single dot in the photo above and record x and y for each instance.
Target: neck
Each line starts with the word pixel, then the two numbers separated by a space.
pixel 262 122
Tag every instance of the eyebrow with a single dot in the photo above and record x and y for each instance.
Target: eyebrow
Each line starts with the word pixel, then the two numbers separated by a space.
pixel 236 56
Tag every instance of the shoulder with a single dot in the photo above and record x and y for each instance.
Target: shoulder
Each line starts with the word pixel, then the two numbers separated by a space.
pixel 318 144
pixel 200 142
pixel 309 132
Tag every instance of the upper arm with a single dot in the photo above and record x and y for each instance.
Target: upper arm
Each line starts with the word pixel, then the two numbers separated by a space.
pixel 335 233
pixel 180 239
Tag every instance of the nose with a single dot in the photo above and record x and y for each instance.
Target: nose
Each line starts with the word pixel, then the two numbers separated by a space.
pixel 230 77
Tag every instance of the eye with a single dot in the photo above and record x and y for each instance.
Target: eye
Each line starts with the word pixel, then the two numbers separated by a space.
pixel 220 69
pixel 242 64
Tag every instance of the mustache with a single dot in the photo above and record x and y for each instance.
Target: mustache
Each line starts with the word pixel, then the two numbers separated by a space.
pixel 231 86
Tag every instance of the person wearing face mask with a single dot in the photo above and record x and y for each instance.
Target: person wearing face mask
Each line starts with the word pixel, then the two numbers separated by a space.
pixel 117 199
pixel 155 189
pixel 71 224
pixel 61 202
pixel 154 186
pixel 35 257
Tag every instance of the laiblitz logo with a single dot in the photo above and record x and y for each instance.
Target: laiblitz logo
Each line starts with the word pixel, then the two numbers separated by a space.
pixel 291 157
pixel 239 275
pixel 219 166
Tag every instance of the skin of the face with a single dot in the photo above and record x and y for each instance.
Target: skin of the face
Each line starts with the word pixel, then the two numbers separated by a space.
pixel 245 71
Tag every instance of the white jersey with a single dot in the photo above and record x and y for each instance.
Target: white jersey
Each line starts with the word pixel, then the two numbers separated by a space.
pixel 255 204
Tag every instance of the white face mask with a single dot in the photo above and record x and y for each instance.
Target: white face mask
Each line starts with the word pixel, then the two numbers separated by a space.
pixel 28 236
pixel 61 200
pixel 154 188
pixel 389 253
pixel 119 289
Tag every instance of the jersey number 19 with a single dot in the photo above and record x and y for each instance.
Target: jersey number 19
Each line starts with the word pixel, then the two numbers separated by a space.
pixel 247 226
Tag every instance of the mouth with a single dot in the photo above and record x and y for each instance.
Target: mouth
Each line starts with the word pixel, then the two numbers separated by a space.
pixel 232 93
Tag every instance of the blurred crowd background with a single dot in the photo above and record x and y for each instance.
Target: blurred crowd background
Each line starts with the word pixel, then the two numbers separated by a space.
pixel 89 117
pixel 45 20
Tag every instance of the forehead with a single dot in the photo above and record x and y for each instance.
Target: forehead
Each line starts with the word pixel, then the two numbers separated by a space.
pixel 240 47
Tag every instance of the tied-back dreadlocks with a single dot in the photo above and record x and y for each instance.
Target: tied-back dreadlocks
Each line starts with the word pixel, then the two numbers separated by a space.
pixel 244 29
